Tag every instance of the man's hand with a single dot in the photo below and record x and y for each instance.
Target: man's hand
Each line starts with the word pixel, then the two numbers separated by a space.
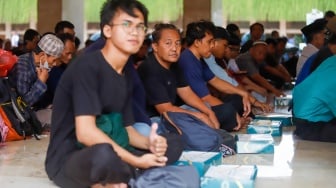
pixel 157 144
pixel 263 106
pixel 246 104
pixel 150 160
pixel 205 118
pixel 214 120
pixel 239 123
pixel 279 93
pixel 42 74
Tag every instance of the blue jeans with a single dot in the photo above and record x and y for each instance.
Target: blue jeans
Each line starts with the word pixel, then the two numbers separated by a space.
pixel 145 129
pixel 142 128
pixel 161 129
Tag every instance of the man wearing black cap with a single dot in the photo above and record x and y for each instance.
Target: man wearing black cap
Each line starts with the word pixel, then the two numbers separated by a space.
pixel 314 34
pixel 329 49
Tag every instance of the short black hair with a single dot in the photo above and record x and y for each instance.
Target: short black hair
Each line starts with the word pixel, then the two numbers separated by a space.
pixel 29 35
pixel 329 14
pixel 234 40
pixel 63 24
pixel 232 28
pixel 197 30
pixel 77 42
pixel 282 39
pixel 66 36
pixel 110 7
pixel 257 24
pixel 271 41
pixel 221 33
pixel 156 35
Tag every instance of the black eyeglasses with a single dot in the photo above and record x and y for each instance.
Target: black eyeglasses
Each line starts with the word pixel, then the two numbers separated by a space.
pixel 234 49
pixel 128 27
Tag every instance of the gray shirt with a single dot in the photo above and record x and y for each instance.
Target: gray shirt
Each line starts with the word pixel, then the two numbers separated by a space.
pixel 245 62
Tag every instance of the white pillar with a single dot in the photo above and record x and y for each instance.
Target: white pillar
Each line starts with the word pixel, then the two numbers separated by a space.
pixel 283 28
pixel 217 13
pixel 73 11
pixel 8 29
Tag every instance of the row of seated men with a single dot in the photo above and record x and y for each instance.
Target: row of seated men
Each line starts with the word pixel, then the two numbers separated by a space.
pixel 227 81
pixel 97 82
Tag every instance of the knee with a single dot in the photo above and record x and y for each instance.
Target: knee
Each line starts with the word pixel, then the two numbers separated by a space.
pixel 175 147
pixel 108 166
pixel 104 155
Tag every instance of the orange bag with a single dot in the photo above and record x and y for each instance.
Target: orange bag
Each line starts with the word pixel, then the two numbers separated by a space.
pixel 12 135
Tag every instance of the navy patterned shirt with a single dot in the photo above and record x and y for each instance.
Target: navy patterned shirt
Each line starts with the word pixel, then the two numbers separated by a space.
pixel 24 78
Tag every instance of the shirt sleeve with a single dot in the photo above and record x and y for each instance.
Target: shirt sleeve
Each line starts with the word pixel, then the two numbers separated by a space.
pixel 86 100
pixel 246 64
pixel 220 72
pixel 196 78
pixel 27 83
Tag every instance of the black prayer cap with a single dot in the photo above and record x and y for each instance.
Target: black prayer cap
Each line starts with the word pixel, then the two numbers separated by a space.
pixel 315 27
pixel 221 33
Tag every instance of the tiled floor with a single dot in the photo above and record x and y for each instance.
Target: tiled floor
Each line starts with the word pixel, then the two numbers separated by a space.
pixel 295 163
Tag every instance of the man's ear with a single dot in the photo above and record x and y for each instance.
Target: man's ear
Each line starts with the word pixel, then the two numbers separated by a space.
pixel 155 47
pixel 197 43
pixel 107 31
pixel 41 54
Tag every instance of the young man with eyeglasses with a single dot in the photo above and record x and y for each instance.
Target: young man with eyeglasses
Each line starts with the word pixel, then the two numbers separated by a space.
pixel 95 85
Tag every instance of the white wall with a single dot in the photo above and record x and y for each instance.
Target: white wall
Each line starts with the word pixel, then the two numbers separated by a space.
pixel 73 11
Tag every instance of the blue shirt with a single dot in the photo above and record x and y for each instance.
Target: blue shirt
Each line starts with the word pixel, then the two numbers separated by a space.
pixel 314 98
pixel 196 72
pixel 24 78
pixel 305 71
pixel 219 71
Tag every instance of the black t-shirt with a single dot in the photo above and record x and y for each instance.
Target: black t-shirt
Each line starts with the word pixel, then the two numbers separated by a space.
pixel 271 60
pixel 246 46
pixel 89 86
pixel 160 83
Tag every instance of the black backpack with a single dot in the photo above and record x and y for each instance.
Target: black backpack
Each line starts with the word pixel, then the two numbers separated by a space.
pixel 20 114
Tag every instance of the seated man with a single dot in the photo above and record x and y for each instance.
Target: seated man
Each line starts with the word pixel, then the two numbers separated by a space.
pixel 200 40
pixel 314 61
pixel 314 34
pixel 234 47
pixel 218 65
pixel 30 73
pixel 314 100
pixel 272 69
pixel 251 62
pixel 83 98
pixel 57 71
pixel 164 81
